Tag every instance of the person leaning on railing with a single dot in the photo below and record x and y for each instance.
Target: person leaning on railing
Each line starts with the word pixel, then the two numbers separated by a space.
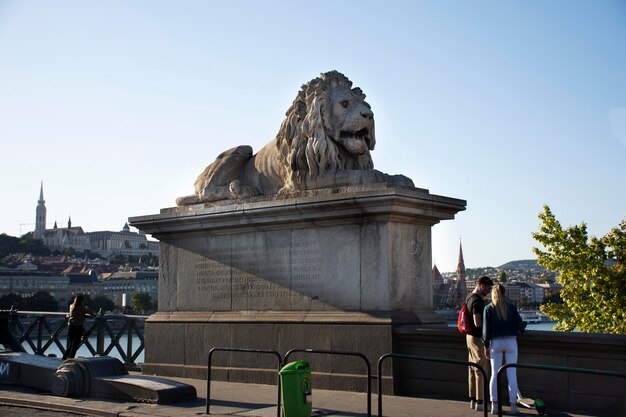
pixel 76 330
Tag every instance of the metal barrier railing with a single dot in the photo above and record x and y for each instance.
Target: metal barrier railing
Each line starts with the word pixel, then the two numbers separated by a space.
pixel 334 352
pixel 421 358
pixel 40 323
pixel 102 328
pixel 220 349
pixel 547 368
pixel 44 329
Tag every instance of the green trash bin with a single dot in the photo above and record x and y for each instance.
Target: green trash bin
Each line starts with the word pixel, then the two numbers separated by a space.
pixel 295 381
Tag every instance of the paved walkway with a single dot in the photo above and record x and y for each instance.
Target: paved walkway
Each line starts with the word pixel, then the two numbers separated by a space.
pixel 231 399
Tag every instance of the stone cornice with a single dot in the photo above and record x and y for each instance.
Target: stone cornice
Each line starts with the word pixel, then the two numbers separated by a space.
pixel 296 317
pixel 331 206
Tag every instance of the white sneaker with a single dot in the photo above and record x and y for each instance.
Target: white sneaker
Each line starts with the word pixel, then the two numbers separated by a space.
pixel 472 404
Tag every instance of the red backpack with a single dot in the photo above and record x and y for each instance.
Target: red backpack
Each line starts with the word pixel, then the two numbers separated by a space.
pixel 465 321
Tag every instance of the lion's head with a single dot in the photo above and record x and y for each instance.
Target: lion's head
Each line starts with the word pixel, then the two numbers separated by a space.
pixel 328 127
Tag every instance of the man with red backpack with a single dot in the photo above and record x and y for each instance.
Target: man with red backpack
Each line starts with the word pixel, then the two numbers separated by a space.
pixel 475 346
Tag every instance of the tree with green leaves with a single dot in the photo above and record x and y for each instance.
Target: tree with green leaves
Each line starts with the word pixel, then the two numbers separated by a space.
pixel 8 244
pixel 34 246
pixel 592 273
pixel 41 301
pixel 102 302
pixel 25 244
pixel 141 302
pixel 118 258
pixel 502 276
pixel 11 300
pixel 69 251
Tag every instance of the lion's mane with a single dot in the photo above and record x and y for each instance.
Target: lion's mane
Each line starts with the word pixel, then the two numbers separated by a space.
pixel 303 140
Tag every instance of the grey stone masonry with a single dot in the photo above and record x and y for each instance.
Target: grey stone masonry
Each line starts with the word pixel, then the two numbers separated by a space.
pixel 363 249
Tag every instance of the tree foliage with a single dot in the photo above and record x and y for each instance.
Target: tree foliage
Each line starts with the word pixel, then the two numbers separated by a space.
pixel 69 251
pixel 11 300
pixel 118 258
pixel 592 273
pixel 141 302
pixel 25 244
pixel 33 246
pixel 102 302
pixel 41 301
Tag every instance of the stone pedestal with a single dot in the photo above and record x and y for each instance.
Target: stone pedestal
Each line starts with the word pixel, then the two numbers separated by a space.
pixel 331 269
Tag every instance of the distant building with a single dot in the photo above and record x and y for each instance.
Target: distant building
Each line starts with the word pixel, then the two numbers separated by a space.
pixel 550 290
pixel 522 292
pixel 26 284
pixel 63 287
pixel 124 242
pixel 129 283
pixel 40 215
pixel 85 283
pixel 440 289
pixel 461 285
pixel 450 291
pixel 457 290
pixel 513 293
pixel 59 238
pixel 106 243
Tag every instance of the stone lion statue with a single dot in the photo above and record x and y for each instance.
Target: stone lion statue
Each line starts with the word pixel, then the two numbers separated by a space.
pixel 325 141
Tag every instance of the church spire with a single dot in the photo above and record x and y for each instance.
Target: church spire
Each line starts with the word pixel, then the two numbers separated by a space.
pixel 461 285
pixel 40 215
pixel 460 267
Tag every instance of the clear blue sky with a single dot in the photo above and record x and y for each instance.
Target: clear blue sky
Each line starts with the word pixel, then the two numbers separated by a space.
pixel 117 106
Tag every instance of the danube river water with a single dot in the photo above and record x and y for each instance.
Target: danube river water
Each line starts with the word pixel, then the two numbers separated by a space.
pixel 83 351
pixel 545 326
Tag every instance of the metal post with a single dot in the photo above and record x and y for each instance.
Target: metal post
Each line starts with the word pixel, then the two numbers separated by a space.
pixel 39 335
pixel 100 332
pixel 208 379
pixel 548 368
pixel 129 343
pixel 422 358
pixel 337 352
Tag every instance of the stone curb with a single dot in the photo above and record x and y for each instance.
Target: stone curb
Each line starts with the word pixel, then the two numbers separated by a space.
pixel 63 408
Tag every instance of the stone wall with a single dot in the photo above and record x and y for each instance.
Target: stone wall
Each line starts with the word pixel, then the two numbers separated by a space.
pixel 184 341
pixel 596 395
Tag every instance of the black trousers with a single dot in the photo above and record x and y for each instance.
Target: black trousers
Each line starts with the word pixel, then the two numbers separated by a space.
pixel 74 339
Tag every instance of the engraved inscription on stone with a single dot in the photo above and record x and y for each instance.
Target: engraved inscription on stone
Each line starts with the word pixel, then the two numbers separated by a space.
pixel 305 266
pixel 213 275
pixel 259 275
pixel 254 274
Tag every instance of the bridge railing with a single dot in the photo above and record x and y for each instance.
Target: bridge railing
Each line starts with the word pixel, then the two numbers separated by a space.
pixel 41 330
